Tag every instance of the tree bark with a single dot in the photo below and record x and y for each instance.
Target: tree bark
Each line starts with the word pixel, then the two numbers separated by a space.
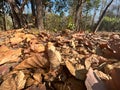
pixel 4 18
pixel 34 12
pixel 39 11
pixel 93 19
pixel 78 14
pixel 16 14
pixel 101 17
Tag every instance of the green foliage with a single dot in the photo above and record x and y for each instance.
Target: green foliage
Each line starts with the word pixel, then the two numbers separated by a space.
pixel 110 23
pixel 71 26
pixel 55 22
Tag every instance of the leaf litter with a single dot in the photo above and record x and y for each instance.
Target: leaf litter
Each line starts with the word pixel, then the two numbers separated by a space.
pixel 66 60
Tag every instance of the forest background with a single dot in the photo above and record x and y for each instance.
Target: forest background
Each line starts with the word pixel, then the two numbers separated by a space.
pixel 56 15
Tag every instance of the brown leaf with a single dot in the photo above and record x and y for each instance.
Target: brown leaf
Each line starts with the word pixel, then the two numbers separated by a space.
pixel 20 79
pixel 9 84
pixel 29 82
pixel 77 70
pixel 38 78
pixel 91 61
pixel 102 75
pixel 10 56
pixel 54 56
pixel 36 47
pixel 4 69
pixel 39 87
pixel 29 37
pixel 3 49
pixel 33 62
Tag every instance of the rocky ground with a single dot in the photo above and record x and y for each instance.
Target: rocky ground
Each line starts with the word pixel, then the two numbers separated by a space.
pixel 65 60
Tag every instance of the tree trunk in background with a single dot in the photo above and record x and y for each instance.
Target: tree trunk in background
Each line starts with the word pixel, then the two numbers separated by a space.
pixel 101 17
pixel 4 22
pixel 93 19
pixel 39 11
pixel 34 12
pixel 17 14
pixel 78 15
pixel 14 14
pixel 4 18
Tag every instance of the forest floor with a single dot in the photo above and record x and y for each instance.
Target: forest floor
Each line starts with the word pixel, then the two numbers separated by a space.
pixel 66 60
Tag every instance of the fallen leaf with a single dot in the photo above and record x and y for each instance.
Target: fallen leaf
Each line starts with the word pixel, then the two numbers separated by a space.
pixel 9 84
pixel 10 56
pixel 20 79
pixel 91 61
pixel 33 62
pixel 102 75
pixel 54 56
pixel 36 47
pixel 38 78
pixel 77 70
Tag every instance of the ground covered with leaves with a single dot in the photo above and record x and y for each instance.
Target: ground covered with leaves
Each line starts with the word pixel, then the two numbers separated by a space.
pixel 65 60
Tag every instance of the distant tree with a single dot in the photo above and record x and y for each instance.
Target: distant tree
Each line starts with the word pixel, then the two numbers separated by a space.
pixel 101 17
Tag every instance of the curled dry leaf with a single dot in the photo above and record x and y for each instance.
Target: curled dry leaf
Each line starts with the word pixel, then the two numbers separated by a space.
pixel 9 84
pixel 36 47
pixel 38 87
pixel 29 37
pixel 77 70
pixel 37 61
pixel 54 56
pixel 102 75
pixel 91 61
pixel 3 49
pixel 38 78
pixel 10 56
pixel 21 80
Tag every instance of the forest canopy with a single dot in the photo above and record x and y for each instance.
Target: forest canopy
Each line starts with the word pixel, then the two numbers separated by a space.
pixel 55 15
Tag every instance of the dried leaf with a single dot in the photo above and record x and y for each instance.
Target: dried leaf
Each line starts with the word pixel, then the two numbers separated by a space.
pixel 9 84
pixel 4 69
pixel 3 49
pixel 78 70
pixel 102 75
pixel 33 62
pixel 37 77
pixel 54 56
pixel 10 56
pixel 29 82
pixel 37 47
pixel 91 61
pixel 29 37
pixel 20 79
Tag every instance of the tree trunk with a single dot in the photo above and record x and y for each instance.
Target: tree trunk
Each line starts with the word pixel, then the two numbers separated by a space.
pixel 16 13
pixel 101 17
pixel 39 11
pixel 78 14
pixel 4 22
pixel 33 12
pixel 93 19
pixel 4 18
